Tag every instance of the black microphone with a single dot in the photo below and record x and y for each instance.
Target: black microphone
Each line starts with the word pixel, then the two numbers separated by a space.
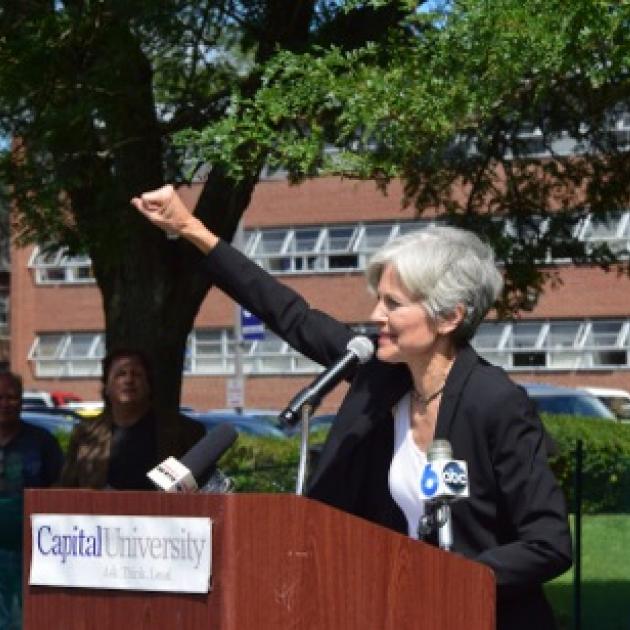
pixel 197 465
pixel 359 350
pixel 443 481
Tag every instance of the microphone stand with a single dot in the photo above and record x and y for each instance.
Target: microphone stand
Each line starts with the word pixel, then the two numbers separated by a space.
pixel 305 414
pixel 445 530
pixel 437 518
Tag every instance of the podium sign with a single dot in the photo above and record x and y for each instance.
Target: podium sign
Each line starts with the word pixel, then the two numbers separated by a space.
pixel 139 553
pixel 278 561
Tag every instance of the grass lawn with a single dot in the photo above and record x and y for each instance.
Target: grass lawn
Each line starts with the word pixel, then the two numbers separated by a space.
pixel 605 576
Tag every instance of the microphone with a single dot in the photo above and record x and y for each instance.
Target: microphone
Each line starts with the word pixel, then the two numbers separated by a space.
pixel 444 480
pixel 359 350
pixel 197 465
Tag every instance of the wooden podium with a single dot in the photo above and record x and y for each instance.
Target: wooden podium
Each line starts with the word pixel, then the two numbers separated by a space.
pixel 279 562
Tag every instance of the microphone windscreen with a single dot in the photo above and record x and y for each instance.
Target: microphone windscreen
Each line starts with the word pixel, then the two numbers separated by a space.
pixel 362 347
pixel 203 456
pixel 439 449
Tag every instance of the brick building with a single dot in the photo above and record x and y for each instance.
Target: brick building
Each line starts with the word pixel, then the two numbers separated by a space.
pixel 4 318
pixel 317 238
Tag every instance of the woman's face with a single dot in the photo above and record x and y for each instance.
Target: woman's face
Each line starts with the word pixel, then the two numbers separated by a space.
pixel 127 382
pixel 406 332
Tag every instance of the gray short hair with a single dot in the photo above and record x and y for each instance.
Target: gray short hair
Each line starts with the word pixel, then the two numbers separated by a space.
pixel 443 267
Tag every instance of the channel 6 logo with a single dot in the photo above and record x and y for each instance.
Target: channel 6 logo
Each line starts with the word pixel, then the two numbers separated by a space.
pixel 444 479
pixel 455 477
pixel 430 482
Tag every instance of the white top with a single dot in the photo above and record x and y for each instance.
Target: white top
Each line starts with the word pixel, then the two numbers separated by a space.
pixel 406 468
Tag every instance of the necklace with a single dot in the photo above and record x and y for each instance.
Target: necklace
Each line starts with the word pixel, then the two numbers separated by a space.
pixel 425 401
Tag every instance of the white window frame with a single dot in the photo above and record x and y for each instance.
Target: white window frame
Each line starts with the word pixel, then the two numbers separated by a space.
pixel 70 269
pixel 255 360
pixel 578 355
pixel 61 363
pixel 318 260
pixel 258 359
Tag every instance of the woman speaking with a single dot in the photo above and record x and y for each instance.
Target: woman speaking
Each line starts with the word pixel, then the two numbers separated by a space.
pixel 431 288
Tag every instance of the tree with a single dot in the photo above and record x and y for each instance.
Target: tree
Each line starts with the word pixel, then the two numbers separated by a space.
pixel 92 92
pixel 442 102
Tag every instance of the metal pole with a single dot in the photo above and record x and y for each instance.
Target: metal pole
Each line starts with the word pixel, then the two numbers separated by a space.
pixel 238 330
pixel 304 440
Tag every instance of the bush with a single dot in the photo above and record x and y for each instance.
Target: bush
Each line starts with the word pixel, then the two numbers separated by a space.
pixel 262 464
pixel 265 464
pixel 268 465
pixel 605 461
pixel 63 437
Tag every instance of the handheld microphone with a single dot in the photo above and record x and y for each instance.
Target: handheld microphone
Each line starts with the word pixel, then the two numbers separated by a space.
pixel 444 480
pixel 359 350
pixel 197 465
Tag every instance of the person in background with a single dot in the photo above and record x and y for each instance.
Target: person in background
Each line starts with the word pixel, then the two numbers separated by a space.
pixel 30 457
pixel 432 288
pixel 117 449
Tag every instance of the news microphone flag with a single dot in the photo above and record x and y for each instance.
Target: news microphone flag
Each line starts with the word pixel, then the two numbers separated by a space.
pixel 196 465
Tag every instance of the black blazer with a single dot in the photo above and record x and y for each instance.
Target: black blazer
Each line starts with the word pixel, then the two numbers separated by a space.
pixel 515 520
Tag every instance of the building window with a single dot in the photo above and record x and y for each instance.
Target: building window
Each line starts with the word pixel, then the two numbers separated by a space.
pixel 69 355
pixel 208 352
pixel 321 249
pixel 613 231
pixel 215 352
pixel 57 266
pixel 330 248
pixel 555 345
pixel 515 346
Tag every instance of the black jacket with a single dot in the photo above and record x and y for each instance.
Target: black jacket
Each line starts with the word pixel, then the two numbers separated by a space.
pixel 515 520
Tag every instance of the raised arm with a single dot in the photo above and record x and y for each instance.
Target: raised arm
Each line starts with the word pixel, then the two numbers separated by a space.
pixel 313 333
pixel 165 209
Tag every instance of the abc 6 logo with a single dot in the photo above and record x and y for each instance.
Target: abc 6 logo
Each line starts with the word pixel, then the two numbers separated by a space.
pixel 455 477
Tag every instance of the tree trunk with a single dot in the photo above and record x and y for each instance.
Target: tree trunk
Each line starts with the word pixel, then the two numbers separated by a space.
pixel 153 293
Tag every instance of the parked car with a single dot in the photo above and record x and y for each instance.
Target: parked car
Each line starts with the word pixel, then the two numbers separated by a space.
pixel 243 423
pixel 49 400
pixel 567 400
pixel 63 398
pixel 53 411
pixel 85 408
pixel 548 399
pixel 318 423
pixel 53 422
pixel 268 415
pixel 36 398
pixel 617 400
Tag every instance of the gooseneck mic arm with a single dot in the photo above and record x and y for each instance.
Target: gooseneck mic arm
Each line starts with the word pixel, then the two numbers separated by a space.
pixel 359 350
